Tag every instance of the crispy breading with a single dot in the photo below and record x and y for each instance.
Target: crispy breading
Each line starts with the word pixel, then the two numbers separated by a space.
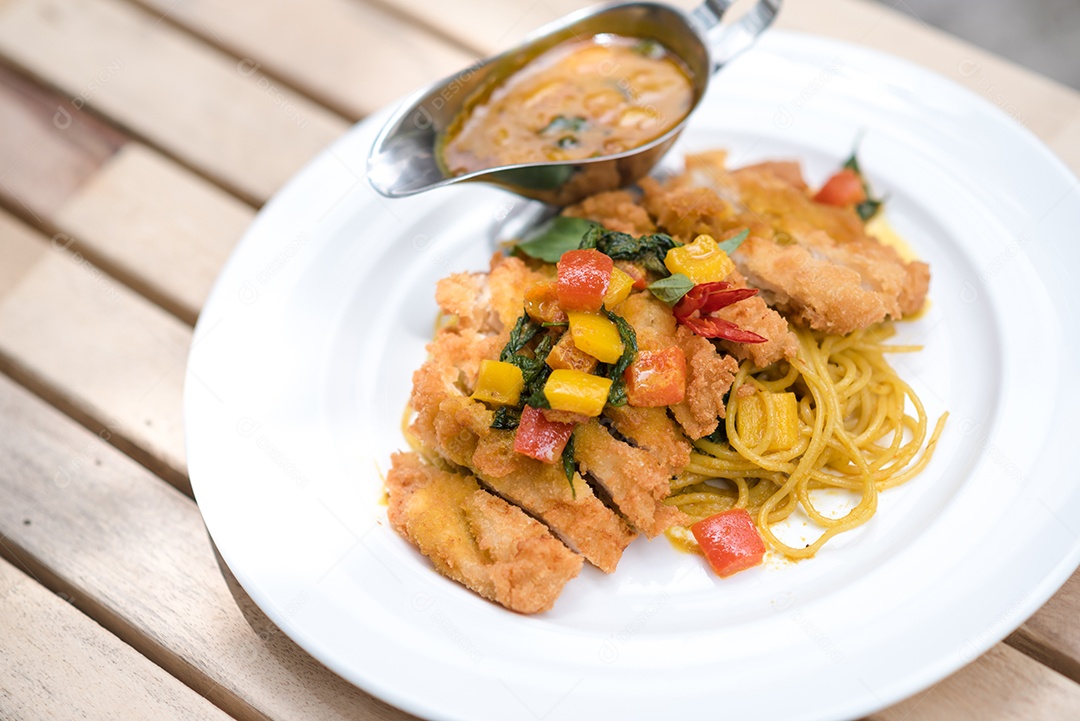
pixel 458 429
pixel 753 314
pixel 488 302
pixel 636 481
pixel 615 210
pixel 814 262
pixel 685 211
pixel 708 378
pixel 653 430
pixel 477 538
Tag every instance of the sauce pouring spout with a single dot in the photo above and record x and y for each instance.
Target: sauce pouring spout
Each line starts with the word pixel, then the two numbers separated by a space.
pixel 408 154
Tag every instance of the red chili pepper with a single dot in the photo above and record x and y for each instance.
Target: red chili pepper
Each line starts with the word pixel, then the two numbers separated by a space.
pixel 708 298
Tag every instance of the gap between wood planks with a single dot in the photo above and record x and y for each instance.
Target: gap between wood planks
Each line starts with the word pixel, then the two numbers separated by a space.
pixel 204 31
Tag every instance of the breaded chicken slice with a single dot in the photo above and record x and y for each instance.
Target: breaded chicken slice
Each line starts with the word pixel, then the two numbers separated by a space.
pixel 488 302
pixel 814 262
pixel 753 314
pixel 615 210
pixel 635 480
pixel 476 538
pixel 653 430
pixel 458 429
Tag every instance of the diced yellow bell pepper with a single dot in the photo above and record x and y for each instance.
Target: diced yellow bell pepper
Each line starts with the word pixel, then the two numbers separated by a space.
pixel 764 411
pixel 499 383
pixel 577 392
pixel 701 261
pixel 618 288
pixel 596 335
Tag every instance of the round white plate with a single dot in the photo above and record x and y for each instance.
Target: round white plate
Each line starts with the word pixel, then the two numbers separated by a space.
pixel 301 367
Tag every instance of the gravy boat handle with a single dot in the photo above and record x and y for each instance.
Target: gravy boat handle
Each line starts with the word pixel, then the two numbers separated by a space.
pixel 728 40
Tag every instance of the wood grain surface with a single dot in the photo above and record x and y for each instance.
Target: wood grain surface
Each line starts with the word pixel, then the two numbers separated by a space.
pixel 134 555
pixel 352 56
pixel 56 658
pixel 209 110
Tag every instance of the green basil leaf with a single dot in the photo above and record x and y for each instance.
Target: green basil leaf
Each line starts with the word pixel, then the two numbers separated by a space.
pixel 562 124
pixel 617 394
pixel 671 289
pixel 730 245
pixel 506 419
pixel 568 464
pixel 522 332
pixel 549 240
pixel 649 250
pixel 868 208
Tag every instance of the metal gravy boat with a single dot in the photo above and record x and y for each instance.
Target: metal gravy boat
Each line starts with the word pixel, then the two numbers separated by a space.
pixel 404 158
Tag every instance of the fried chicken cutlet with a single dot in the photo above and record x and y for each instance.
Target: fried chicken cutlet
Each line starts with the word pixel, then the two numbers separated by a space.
pixel 477 538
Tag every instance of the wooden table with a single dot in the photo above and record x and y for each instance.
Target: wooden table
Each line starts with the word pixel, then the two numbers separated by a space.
pixel 139 137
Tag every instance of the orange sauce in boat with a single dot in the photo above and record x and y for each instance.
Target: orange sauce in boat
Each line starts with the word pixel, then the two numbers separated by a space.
pixel 580 99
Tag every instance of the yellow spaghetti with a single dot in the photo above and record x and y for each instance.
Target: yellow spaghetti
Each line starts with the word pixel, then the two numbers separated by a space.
pixel 850 429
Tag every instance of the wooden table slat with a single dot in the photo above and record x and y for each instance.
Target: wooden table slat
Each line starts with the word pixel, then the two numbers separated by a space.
pixel 148 221
pixel 349 55
pixel 93 347
pixel 134 554
pixel 198 104
pixel 1002 684
pixel 57 663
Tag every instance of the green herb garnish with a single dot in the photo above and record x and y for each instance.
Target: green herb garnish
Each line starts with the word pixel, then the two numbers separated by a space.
pixel 569 465
pixel 563 124
pixel 522 332
pixel 649 250
pixel 671 289
pixel 732 244
pixel 549 240
pixel 506 418
pixel 617 394
pixel 869 207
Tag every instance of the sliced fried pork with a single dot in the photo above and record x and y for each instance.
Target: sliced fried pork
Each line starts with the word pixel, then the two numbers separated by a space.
pixel 477 538
pixel 459 429
pixel 636 481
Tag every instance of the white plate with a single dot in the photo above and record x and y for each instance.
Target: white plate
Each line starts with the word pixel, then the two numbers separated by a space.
pixel 301 367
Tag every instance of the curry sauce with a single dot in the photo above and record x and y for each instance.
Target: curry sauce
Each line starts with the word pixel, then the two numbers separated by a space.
pixel 581 99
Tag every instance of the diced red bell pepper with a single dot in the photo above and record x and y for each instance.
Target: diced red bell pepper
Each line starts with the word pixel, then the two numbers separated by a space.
pixel 583 277
pixel 656 378
pixel 730 541
pixel 539 438
pixel 844 188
